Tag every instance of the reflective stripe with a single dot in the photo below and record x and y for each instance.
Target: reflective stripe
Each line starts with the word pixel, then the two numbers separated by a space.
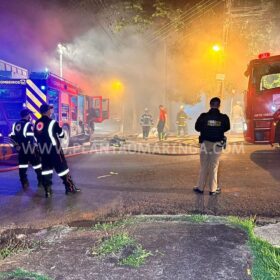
pixel 61 134
pixel 63 173
pixel 37 166
pixel 37 90
pixel 25 129
pixel 13 130
pixel 47 172
pixel 33 98
pixel 23 166
pixel 50 131
pixel 30 134
pixel 35 112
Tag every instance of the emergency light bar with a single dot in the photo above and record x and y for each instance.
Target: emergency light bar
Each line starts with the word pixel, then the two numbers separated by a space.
pixel 264 55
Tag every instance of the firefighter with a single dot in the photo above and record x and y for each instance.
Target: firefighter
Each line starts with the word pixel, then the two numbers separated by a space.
pixel 181 122
pixel 146 122
pixel 161 122
pixel 237 117
pixel 23 140
pixel 47 133
pixel 212 126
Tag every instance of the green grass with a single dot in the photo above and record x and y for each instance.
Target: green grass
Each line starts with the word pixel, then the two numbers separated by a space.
pixel 116 243
pixel 138 257
pixel 20 274
pixel 112 225
pixel 266 258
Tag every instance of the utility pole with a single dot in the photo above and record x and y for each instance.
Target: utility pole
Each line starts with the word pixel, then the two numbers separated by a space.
pixel 226 29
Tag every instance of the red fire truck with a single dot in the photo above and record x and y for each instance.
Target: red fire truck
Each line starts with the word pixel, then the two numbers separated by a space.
pixel 262 101
pixel 71 107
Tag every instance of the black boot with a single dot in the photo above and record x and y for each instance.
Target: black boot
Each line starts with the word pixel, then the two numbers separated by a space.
pixel 70 187
pixel 48 191
pixel 25 184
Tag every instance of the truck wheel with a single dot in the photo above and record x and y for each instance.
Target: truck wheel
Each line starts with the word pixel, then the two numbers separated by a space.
pixel 65 141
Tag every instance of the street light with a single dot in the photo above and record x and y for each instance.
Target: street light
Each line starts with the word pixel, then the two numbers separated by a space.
pixel 216 48
pixel 60 49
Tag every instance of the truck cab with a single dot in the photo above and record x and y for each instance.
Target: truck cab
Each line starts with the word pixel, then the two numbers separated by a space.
pixel 262 100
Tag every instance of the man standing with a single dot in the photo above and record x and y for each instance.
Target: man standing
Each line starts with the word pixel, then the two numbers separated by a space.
pixel 47 133
pixel 161 122
pixel 237 118
pixel 181 121
pixel 146 122
pixel 212 126
pixel 22 136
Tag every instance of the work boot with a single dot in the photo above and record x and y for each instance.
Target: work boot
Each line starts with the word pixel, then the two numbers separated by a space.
pixel 25 184
pixel 70 187
pixel 48 191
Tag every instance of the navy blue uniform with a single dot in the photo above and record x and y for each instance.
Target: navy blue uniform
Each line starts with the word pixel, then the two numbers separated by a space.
pixel 22 136
pixel 47 133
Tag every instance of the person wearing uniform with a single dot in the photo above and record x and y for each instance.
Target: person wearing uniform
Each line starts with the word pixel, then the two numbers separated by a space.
pixel 23 140
pixel 181 122
pixel 47 133
pixel 146 122
pixel 212 126
pixel 161 122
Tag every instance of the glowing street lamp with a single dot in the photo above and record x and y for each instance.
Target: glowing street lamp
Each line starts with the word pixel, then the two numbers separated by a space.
pixel 216 48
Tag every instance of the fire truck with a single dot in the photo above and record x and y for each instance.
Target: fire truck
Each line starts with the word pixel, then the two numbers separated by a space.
pixel 71 106
pixel 262 100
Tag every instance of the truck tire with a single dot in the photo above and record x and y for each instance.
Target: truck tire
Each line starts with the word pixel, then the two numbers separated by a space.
pixel 65 141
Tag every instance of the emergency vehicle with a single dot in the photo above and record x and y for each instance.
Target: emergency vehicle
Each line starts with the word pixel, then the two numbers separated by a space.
pixel 71 106
pixel 262 100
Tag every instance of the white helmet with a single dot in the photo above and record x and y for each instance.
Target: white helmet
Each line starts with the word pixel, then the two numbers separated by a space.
pixel 182 107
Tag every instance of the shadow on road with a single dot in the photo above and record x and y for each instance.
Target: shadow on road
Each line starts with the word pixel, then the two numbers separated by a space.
pixel 269 160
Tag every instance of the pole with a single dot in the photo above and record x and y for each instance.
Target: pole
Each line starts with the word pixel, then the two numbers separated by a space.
pixel 60 63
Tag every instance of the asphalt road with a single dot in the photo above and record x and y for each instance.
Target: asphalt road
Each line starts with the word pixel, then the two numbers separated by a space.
pixel 148 184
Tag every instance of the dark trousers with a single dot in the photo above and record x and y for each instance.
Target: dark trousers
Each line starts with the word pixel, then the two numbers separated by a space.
pixel 160 129
pixel 32 157
pixel 146 131
pixel 55 160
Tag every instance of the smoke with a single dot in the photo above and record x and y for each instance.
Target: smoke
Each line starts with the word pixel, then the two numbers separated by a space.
pixel 92 57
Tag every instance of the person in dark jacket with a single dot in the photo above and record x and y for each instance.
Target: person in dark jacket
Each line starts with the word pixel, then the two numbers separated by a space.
pixel 47 133
pixel 212 126
pixel 146 122
pixel 23 140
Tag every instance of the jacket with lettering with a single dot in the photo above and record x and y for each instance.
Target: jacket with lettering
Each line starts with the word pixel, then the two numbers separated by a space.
pixel 22 133
pixel 146 120
pixel 212 125
pixel 48 131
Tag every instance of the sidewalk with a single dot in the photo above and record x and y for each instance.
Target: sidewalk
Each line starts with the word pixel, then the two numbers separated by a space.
pixel 182 247
pixel 152 248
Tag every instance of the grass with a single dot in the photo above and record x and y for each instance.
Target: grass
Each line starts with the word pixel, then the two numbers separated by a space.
pixel 266 258
pixel 113 225
pixel 23 274
pixel 114 244
pixel 138 257
pixel 117 243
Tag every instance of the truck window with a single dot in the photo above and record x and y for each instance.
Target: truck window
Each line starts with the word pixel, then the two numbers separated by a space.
pixel 267 76
pixel 270 81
